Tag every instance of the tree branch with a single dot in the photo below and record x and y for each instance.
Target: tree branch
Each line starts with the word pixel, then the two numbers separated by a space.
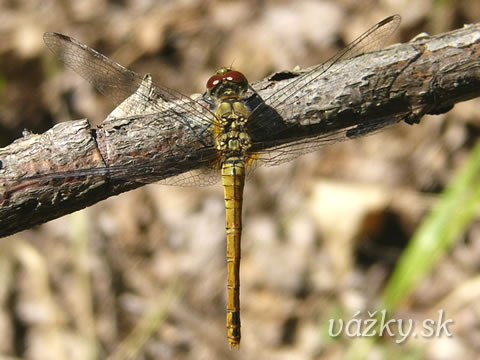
pixel 400 83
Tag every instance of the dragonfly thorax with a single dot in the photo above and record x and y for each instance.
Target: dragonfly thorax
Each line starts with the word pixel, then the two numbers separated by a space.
pixel 232 136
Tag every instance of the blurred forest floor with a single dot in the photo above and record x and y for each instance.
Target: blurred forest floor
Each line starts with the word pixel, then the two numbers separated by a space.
pixel 143 275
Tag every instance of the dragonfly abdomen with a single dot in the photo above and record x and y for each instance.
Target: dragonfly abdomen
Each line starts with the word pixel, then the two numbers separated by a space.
pixel 233 177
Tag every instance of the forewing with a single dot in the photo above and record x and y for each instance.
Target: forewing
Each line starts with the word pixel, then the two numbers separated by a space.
pixel 283 100
pixel 118 82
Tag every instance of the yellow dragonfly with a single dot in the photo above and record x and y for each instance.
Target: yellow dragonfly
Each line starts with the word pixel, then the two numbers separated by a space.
pixel 226 124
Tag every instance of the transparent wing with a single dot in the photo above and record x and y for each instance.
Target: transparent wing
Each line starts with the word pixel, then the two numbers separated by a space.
pixel 117 82
pixel 198 177
pixel 277 153
pixel 283 100
pixel 371 40
pixel 168 168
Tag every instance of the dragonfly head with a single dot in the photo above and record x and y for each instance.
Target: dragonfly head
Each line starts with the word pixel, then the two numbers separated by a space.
pixel 227 83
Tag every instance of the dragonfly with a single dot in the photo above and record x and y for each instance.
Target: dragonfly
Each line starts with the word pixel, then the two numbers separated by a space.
pixel 226 125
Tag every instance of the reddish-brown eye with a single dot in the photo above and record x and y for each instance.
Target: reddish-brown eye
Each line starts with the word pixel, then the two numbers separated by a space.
pixel 235 76
pixel 214 81
pixel 231 75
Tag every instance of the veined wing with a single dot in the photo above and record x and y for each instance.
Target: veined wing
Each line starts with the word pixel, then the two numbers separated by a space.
pixel 281 103
pixel 143 171
pixel 276 152
pixel 117 82
pixel 373 39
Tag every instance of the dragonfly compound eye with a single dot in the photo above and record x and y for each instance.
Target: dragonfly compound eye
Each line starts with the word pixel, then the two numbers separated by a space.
pixel 232 76
pixel 214 81
pixel 235 76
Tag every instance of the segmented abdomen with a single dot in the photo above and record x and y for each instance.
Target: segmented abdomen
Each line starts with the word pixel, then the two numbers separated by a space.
pixel 233 177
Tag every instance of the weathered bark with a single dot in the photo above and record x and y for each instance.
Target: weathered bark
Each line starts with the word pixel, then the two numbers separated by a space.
pixel 402 82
